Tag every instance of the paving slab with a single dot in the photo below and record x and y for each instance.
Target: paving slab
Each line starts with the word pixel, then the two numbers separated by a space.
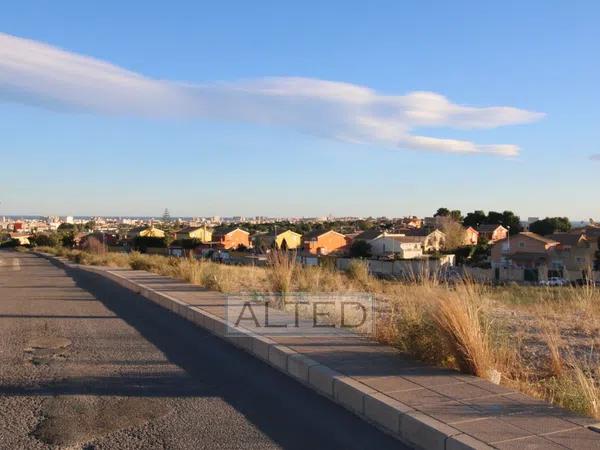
pixel 530 443
pixel 579 439
pixel 492 430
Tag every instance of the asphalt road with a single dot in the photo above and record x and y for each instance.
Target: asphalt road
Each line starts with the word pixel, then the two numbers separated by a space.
pixel 87 364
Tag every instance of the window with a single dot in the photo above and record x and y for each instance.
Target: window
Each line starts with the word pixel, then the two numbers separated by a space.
pixel 521 244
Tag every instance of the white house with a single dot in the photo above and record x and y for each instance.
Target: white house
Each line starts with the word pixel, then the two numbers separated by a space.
pixel 405 247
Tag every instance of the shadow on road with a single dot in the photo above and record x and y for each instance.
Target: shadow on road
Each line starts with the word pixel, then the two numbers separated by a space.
pixel 287 412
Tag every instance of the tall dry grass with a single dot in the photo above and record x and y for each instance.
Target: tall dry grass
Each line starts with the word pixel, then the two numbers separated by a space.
pixel 282 265
pixel 459 316
pixel 358 271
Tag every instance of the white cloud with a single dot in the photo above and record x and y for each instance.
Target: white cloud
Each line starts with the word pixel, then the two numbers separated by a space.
pixel 36 73
pixel 595 157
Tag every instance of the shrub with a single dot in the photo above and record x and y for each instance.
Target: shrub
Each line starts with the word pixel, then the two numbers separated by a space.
pixel 359 271
pixel 459 317
pixel 281 268
pixel 360 249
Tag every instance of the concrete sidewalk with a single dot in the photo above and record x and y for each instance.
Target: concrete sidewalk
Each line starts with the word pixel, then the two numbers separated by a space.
pixel 423 406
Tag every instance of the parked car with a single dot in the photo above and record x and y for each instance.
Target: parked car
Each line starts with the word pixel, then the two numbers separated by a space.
pixel 554 281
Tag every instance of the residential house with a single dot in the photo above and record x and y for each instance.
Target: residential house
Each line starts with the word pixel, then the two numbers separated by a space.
pixel 22 238
pixel 434 222
pixel 202 234
pixel 524 250
pixel 492 232
pixel 228 238
pixel 411 222
pixel 145 231
pixel 565 255
pixel 404 247
pixel 431 240
pixel 471 236
pixel 324 242
pixel 369 235
pixel 288 240
pixel 574 257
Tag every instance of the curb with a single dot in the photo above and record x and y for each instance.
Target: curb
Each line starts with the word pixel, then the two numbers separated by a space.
pixel 409 426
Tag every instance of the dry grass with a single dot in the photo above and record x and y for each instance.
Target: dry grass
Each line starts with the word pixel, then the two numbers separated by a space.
pixel 359 272
pixel 282 267
pixel 588 386
pixel 459 316
pixel 551 336
pixel 474 328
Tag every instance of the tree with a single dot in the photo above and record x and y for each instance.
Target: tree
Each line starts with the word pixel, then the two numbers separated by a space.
pixel 10 243
pixel 188 244
pixel 68 240
pixel 550 225
pixel 442 212
pixel 142 243
pixel 455 234
pixel 93 245
pixel 360 249
pixel 456 215
pixel 474 219
pixel 495 218
pixel 66 227
pixel 512 222
pixel 507 219
pixel 45 240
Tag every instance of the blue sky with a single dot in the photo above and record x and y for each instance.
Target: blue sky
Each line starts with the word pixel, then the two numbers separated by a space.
pixel 223 108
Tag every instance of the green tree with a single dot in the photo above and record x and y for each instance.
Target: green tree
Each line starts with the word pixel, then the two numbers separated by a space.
pixel 456 215
pixel 68 240
pixel 142 243
pixel 474 219
pixel 442 212
pixel 550 225
pixel 512 221
pixel 66 227
pixel 494 218
pixel 360 249
pixel 46 240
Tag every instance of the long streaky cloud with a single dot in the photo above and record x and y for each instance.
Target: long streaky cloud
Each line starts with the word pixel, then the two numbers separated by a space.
pixel 35 73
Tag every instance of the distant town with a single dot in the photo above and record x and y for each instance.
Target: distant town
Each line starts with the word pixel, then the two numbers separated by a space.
pixel 492 246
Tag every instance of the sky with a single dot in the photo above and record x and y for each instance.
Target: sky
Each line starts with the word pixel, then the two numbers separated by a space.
pixel 299 108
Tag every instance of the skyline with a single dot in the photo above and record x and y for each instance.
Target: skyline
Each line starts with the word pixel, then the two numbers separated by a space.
pixel 272 111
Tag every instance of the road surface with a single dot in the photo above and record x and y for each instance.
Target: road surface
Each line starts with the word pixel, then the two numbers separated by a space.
pixel 87 364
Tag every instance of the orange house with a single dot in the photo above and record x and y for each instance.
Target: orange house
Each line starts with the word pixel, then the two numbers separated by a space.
pixel 492 233
pixel 471 236
pixel 231 238
pixel 323 242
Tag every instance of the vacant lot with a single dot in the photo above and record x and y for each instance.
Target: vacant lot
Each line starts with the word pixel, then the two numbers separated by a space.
pixel 542 340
